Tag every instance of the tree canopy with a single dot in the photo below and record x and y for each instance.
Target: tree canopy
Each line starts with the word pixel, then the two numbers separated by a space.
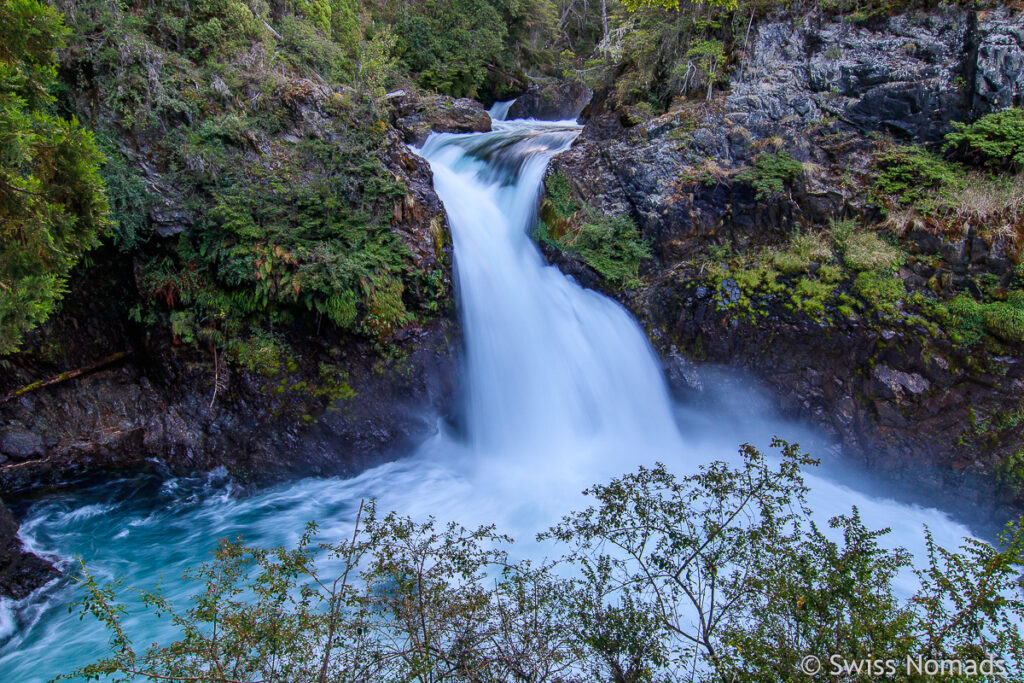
pixel 52 205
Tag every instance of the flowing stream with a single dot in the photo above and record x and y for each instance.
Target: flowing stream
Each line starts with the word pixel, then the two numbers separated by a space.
pixel 563 390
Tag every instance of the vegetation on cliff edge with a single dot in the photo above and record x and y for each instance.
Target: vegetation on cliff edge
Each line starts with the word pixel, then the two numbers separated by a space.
pixel 719 575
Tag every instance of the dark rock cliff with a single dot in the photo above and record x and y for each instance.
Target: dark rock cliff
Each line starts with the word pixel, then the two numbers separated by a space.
pixel 342 405
pixel 896 394
pixel 556 101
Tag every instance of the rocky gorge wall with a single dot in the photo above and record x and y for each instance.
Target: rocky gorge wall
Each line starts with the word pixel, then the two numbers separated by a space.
pixel 893 387
pixel 338 404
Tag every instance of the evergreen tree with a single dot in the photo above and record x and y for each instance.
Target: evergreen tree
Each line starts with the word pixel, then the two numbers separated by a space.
pixel 52 204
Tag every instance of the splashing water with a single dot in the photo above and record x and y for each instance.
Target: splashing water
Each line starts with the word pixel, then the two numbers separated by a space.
pixel 563 391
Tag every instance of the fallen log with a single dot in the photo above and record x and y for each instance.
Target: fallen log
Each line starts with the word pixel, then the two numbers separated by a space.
pixel 65 376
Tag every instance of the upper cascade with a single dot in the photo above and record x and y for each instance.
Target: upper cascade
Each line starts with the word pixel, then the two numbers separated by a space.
pixel 552 368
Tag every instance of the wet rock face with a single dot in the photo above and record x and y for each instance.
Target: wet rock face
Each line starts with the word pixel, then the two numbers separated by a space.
pixel 904 78
pixel 999 65
pixel 559 101
pixel 21 572
pixel 897 399
pixel 910 77
pixel 894 399
pixel 21 444
pixel 813 87
pixel 154 413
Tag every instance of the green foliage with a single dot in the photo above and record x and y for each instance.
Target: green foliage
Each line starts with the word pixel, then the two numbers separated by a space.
pixel 879 290
pixel 994 140
pixel 865 250
pixel 449 43
pixel 262 352
pixel 52 206
pixel 710 59
pixel 771 173
pixel 967 319
pixel 611 245
pixel 790 263
pixel 211 28
pixel 129 198
pixel 559 194
pixel 283 229
pixel 846 583
pixel 377 60
pixel 915 178
pixel 304 46
pixel 280 244
pixel 317 11
pixel 1011 470
pixel 635 5
pixel 802 250
pixel 865 10
pixel 718 575
pixel 810 296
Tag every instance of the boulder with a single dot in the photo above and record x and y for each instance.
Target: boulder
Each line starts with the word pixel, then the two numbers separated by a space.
pixel 560 101
pixel 417 116
pixel 21 572
pixel 21 444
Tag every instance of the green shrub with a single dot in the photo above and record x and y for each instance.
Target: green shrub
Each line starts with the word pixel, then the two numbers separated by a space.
pixel 810 296
pixel 830 273
pixel 1010 471
pixel 448 43
pixel 994 140
pixel 771 173
pixel 612 246
pixel 914 178
pixel 790 263
pixel 261 352
pixel 405 600
pixel 963 319
pixel 967 319
pixel 302 45
pixel 559 193
pixel 811 245
pixel 129 198
pixel 1004 320
pixel 52 205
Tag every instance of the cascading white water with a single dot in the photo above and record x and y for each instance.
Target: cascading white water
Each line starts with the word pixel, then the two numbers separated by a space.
pixel 499 112
pixel 563 391
pixel 552 368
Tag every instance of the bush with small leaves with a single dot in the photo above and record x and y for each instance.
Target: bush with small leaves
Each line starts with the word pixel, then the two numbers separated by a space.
pixel 994 141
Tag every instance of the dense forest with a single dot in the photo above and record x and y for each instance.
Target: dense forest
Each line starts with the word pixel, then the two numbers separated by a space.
pixel 105 102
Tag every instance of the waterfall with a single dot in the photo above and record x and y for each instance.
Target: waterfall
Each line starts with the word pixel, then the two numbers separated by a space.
pixel 563 391
pixel 499 111
pixel 551 368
